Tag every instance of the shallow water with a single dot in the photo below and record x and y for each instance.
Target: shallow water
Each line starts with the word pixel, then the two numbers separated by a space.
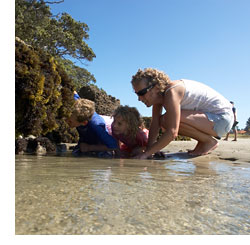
pixel 66 195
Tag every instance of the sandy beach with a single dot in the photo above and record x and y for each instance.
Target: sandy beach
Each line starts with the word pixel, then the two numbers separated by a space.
pixel 234 151
pixel 227 150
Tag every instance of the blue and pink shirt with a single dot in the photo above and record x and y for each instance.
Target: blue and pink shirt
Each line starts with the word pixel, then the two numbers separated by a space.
pixel 95 132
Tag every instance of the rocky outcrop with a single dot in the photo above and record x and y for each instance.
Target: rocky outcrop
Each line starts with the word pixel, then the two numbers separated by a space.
pixel 44 99
pixel 104 104
pixel 33 145
pixel 43 92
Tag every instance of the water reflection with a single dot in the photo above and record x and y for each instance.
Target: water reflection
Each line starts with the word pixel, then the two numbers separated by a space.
pixel 65 195
pixel 180 168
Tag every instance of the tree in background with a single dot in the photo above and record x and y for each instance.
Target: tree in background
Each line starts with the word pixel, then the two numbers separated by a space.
pixel 80 76
pixel 45 77
pixel 61 36
pixel 247 128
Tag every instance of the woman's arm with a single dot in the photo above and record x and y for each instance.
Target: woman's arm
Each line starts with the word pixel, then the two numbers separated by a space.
pixel 155 125
pixel 172 105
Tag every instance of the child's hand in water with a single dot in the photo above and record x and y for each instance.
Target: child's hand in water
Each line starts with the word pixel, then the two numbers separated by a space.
pixel 142 156
pixel 138 151
pixel 158 155
pixel 84 147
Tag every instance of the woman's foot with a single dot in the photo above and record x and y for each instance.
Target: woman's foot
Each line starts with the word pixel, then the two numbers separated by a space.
pixel 204 148
pixel 195 149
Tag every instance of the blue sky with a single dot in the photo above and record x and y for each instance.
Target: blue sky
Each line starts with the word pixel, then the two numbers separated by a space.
pixel 207 41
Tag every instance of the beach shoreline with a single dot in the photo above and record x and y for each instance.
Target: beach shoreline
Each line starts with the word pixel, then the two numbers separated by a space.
pixel 227 150
pixel 233 151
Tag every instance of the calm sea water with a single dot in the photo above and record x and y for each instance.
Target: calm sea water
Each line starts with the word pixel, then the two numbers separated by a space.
pixel 66 195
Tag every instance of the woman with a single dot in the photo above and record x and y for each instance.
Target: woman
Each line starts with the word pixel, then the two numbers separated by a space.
pixel 192 109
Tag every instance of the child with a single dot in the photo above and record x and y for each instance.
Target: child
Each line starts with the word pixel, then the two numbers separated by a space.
pixel 126 128
pixel 94 138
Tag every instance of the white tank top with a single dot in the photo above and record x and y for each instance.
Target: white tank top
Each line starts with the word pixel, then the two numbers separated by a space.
pixel 200 97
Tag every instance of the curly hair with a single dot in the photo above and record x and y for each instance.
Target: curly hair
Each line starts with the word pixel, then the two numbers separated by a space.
pixel 152 76
pixel 132 117
pixel 83 110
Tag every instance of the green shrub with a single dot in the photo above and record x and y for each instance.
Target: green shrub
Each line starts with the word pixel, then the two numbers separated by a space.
pixel 43 94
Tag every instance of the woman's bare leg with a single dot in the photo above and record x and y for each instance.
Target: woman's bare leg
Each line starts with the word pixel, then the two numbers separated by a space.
pixel 199 121
pixel 197 126
pixel 206 143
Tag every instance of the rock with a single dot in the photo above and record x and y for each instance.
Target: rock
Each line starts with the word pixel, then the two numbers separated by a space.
pixel 21 146
pixel 45 142
pixel 104 104
pixel 30 137
pixel 39 145
pixel 40 150
pixel 61 148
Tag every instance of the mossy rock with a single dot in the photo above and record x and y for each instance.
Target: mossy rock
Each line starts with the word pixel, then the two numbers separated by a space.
pixel 104 104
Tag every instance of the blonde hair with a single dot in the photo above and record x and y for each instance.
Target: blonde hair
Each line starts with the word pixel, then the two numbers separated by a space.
pixel 83 110
pixel 131 116
pixel 152 76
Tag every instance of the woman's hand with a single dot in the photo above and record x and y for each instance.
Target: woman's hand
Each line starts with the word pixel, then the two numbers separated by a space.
pixel 159 155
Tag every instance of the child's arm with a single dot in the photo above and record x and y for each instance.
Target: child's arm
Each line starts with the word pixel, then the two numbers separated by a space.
pixel 122 153
pixel 138 150
pixel 105 138
pixel 84 147
pixel 141 142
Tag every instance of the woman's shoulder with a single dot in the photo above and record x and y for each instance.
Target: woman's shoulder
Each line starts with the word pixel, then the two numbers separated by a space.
pixel 175 87
pixel 175 83
pixel 174 93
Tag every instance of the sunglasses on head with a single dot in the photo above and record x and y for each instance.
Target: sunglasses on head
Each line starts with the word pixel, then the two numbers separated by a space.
pixel 145 90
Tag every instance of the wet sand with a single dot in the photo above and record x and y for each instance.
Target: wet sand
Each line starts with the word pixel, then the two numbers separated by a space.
pixel 227 150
